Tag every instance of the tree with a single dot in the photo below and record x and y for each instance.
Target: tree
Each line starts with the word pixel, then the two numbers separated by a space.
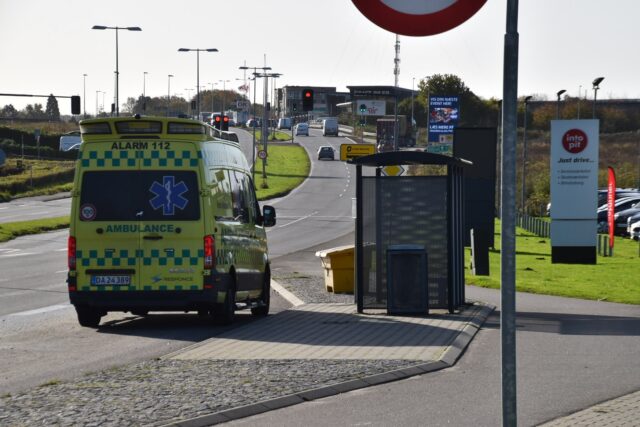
pixel 9 111
pixel 52 112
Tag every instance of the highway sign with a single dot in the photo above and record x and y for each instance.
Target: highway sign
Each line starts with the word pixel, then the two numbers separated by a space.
pixel 393 170
pixel 418 18
pixel 350 151
pixel 262 154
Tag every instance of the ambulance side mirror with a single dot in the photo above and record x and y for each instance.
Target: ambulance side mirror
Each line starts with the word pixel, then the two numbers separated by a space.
pixel 268 216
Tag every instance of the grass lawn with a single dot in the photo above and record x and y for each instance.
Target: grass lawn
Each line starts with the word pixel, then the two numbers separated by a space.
pixel 613 279
pixel 12 230
pixel 287 167
pixel 280 136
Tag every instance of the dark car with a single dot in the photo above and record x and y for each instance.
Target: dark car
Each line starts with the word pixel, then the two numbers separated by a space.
pixel 621 204
pixel 326 152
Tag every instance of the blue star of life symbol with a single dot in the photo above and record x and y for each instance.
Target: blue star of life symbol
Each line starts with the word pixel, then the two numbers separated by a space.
pixel 168 195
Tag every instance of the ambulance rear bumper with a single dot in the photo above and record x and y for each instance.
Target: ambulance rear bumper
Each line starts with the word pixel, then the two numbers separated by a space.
pixel 173 300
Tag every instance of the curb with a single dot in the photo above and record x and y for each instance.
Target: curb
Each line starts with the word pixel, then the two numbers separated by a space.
pixel 448 359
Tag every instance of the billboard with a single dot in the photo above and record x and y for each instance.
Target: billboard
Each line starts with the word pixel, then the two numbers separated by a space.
pixel 574 190
pixel 443 118
pixel 371 107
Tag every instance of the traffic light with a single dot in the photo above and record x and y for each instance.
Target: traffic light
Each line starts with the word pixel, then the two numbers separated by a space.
pixel 295 107
pixel 75 105
pixel 217 122
pixel 363 108
pixel 307 100
pixel 225 123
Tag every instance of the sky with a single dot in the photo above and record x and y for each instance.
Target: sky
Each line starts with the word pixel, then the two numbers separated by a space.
pixel 47 45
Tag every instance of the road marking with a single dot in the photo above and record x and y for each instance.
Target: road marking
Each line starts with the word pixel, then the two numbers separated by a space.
pixel 13 255
pixel 298 220
pixel 62 250
pixel 62 271
pixel 41 310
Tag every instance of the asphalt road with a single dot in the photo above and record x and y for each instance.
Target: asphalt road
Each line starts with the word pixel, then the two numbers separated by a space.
pixel 40 338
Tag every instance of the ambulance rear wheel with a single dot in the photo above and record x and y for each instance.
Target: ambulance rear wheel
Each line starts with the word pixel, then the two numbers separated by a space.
pixel 224 313
pixel 88 317
pixel 263 309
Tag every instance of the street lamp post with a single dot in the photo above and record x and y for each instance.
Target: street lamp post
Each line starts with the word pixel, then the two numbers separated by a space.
pixel 559 93
pixel 188 89
pixel 84 95
pixel 253 111
pixel 579 95
pixel 524 154
pixel 265 119
pixel 183 49
pixel 596 85
pixel 102 27
pixel 169 94
pixel 144 91
pixel 98 92
pixel 224 94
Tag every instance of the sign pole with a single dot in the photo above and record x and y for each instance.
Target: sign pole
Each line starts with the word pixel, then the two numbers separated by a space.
pixel 508 207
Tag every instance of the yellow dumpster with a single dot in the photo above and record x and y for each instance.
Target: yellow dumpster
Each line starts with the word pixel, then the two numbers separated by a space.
pixel 338 268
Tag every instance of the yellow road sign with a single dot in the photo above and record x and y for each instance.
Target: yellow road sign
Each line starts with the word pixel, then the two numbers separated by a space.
pixel 349 151
pixel 393 170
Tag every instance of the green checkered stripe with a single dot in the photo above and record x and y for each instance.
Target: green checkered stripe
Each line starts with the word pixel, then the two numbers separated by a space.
pixel 124 258
pixel 149 158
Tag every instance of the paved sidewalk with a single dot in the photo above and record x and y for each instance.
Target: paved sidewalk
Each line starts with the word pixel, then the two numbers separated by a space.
pixel 337 331
pixel 621 412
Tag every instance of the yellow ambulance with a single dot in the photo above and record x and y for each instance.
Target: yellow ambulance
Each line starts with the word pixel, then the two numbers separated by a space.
pixel 164 217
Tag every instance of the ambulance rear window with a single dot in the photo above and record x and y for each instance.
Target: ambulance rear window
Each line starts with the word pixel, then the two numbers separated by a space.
pixel 139 196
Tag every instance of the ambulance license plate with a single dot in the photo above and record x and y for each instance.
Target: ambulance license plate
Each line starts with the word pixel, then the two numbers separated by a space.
pixel 110 280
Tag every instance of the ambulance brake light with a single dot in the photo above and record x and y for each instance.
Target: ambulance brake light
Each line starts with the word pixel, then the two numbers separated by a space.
pixel 209 252
pixel 71 253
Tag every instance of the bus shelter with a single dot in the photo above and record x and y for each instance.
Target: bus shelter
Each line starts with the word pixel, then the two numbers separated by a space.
pixel 409 249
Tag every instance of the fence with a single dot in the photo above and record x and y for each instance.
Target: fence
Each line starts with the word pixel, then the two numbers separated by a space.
pixel 536 225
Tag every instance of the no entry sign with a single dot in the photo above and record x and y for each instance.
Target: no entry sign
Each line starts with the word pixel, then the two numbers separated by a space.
pixel 418 17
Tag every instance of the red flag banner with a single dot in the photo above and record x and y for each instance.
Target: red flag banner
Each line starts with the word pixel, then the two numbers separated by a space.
pixel 611 204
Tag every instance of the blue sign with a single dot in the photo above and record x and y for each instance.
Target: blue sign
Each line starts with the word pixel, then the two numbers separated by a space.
pixel 168 195
pixel 443 118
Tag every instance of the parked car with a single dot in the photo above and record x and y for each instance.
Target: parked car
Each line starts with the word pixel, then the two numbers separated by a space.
pixel 302 129
pixel 326 152
pixel 621 217
pixel 253 123
pixel 633 227
pixel 620 205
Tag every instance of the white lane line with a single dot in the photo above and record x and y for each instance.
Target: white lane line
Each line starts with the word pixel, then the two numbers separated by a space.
pixel 61 250
pixel 47 289
pixel 41 310
pixel 17 254
pixel 62 271
pixel 298 220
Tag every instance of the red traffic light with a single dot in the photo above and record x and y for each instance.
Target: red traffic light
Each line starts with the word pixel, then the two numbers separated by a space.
pixel 226 119
pixel 307 94
pixel 217 118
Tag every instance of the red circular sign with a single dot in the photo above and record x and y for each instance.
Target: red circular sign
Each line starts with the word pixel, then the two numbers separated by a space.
pixel 574 141
pixel 418 18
